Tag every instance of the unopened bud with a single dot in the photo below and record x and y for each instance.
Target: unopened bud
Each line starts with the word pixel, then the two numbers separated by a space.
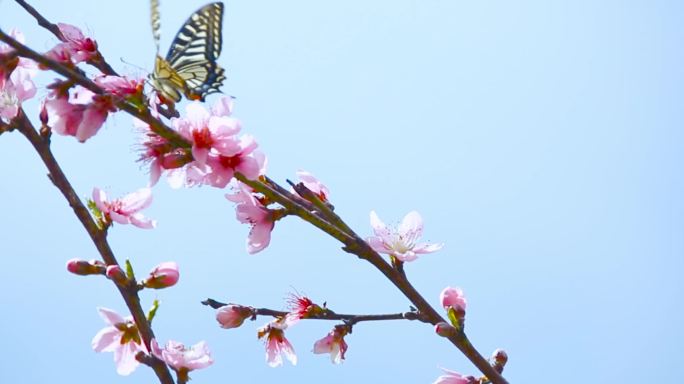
pixel 116 274
pixel 445 329
pixel 43 115
pixel 162 276
pixel 232 316
pixel 83 267
pixel 499 359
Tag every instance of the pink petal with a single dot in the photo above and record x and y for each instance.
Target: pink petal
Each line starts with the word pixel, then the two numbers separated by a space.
pixel 411 226
pixel 406 256
pixel 379 228
pixel 223 106
pixel 273 357
pixel 124 358
pixel 99 198
pixel 106 340
pixel 377 244
pixel 138 200
pixel 141 221
pixel 70 32
pixel 427 248
pixel 259 237
pixel 109 316
pixel 195 112
pixel 288 351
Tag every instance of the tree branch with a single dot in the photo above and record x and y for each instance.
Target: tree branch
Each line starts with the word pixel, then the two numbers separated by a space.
pixel 98 236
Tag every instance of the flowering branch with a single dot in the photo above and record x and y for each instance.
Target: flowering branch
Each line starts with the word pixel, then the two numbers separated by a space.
pixel 98 61
pixel 211 147
pixel 326 314
pixel 354 244
pixel 155 124
pixel 98 236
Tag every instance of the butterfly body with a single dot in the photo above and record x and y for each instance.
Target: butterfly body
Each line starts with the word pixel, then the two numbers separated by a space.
pixel 190 66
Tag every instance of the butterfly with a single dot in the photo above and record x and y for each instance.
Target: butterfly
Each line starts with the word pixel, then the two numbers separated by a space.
pixel 190 67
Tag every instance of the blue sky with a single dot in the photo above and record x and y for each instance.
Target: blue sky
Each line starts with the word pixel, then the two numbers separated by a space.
pixel 541 141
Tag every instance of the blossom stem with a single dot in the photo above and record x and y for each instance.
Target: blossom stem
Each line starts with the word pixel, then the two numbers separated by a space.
pixel 98 236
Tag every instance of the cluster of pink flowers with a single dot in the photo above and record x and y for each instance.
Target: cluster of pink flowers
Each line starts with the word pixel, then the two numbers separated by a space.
pixel 277 345
pixel 16 84
pixel 217 151
pixel 79 113
pixel 75 48
pixel 122 336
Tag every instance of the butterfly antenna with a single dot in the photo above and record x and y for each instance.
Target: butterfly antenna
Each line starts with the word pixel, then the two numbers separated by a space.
pixel 132 65
pixel 155 21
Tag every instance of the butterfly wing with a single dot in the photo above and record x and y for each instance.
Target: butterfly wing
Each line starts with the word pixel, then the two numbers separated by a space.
pixel 194 52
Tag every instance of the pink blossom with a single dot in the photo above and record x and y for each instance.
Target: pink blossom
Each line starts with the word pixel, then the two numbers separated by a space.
pixel 314 185
pixel 79 47
pixel 60 53
pixel 120 86
pixel 451 377
pixel 16 84
pixel 81 115
pixel 122 338
pixel 301 307
pixel 162 156
pixel 276 343
pixel 333 344
pixel 250 210
pixel 453 298
pixel 14 91
pixel 125 210
pixel 242 157
pixel 163 275
pixel 400 242
pixel 209 132
pixel 232 316
pixel 182 359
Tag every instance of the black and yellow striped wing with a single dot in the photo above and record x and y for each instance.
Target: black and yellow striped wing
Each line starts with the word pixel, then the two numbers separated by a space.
pixel 190 66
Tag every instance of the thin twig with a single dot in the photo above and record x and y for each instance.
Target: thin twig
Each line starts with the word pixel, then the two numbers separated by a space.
pixel 327 314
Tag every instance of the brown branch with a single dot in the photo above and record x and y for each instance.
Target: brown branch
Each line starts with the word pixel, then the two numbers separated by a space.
pixel 328 314
pixel 98 237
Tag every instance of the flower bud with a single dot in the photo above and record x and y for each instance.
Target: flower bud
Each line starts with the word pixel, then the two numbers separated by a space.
pixel 116 274
pixel 162 276
pixel 499 359
pixel 232 316
pixel 444 329
pixel 453 298
pixel 83 267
